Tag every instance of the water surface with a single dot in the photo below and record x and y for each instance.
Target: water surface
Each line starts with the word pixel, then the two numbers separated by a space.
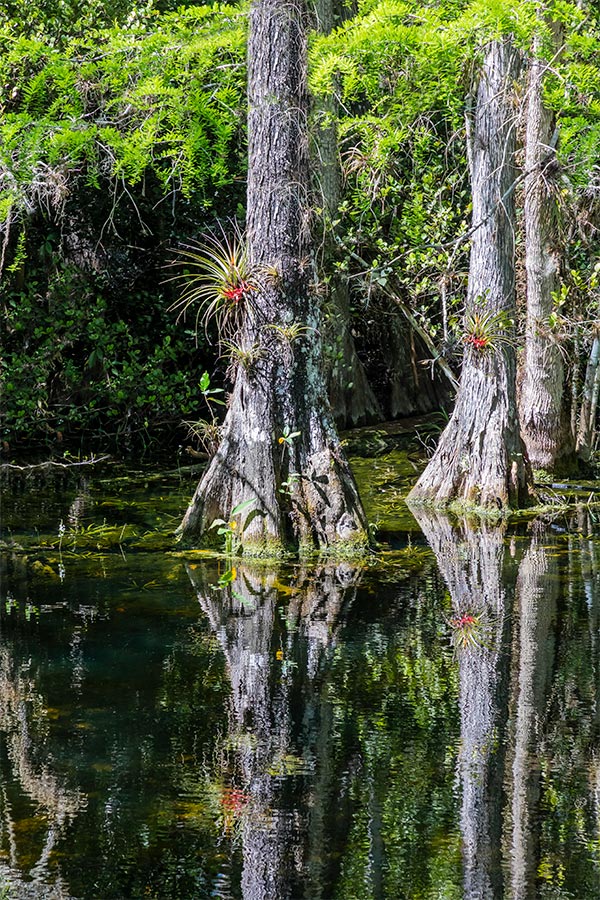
pixel 422 726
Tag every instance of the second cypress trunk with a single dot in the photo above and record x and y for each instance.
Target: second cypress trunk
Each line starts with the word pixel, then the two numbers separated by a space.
pixel 480 459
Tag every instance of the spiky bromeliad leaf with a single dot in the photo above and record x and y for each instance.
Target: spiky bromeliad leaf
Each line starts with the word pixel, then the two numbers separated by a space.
pixel 217 281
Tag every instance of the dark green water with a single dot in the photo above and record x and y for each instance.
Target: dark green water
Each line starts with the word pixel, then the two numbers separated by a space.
pixel 425 726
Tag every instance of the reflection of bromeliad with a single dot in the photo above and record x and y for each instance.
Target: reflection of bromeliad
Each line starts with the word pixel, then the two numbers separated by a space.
pixel 469 630
pixel 234 799
pixel 233 803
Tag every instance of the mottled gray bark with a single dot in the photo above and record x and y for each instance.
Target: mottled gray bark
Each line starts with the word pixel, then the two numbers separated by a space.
pixel 284 391
pixel 480 459
pixel 589 402
pixel 544 414
pixel 481 579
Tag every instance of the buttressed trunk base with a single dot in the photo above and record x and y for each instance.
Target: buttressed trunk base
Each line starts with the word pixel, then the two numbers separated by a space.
pixel 481 459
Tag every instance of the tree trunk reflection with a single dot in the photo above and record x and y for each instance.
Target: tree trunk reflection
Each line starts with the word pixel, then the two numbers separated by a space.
pixel 535 614
pixel 481 581
pixel 22 738
pixel 275 654
pixel 501 835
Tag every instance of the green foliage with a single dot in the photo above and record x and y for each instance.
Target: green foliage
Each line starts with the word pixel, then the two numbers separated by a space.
pixel 128 120
pixel 232 530
pixel 69 365
pixel 573 91
pixel 405 74
pixel 403 71
pixel 123 103
pixel 110 141
pixel 207 431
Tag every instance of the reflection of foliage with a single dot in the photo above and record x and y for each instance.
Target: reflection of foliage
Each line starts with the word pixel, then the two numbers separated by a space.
pixel 377 725
pixel 401 692
pixel 570 745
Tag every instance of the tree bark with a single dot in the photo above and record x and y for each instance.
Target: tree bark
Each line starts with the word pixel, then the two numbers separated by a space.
pixel 302 485
pixel 481 459
pixel 589 403
pixel 544 417
pixel 352 399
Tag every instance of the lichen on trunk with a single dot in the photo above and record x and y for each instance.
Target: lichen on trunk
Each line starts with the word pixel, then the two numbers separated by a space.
pixel 481 460
pixel 280 447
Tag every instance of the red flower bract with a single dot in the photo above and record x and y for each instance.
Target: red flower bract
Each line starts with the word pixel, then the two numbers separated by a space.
pixel 478 342
pixel 236 293
pixel 464 620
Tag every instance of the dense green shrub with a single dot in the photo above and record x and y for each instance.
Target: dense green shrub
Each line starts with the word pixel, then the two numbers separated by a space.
pixel 114 146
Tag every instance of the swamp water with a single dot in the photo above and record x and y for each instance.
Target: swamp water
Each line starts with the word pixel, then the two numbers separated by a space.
pixel 426 725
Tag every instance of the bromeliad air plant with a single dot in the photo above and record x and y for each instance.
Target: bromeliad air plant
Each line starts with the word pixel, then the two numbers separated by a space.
pixel 218 280
pixel 487 331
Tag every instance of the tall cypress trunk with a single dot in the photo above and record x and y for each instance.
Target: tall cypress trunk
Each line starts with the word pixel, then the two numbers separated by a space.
pixel 481 459
pixel 589 402
pixel 302 486
pixel 544 417
pixel 350 394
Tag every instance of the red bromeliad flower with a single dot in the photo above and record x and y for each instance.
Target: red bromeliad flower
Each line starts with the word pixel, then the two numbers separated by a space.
pixel 477 341
pixel 235 294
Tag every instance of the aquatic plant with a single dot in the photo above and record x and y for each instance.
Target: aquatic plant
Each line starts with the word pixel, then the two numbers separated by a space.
pixel 231 530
